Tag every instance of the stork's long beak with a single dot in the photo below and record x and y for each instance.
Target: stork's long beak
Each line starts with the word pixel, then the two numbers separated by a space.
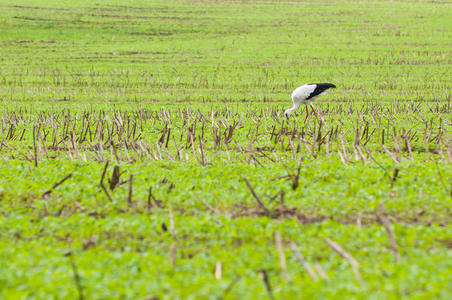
pixel 287 119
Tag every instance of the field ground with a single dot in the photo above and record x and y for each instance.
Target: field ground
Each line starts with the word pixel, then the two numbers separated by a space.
pixel 143 152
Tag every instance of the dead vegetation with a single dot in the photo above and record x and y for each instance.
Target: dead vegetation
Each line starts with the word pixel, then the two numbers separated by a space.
pixel 254 137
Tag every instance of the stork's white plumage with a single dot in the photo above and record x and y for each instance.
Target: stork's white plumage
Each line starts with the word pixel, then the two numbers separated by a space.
pixel 305 94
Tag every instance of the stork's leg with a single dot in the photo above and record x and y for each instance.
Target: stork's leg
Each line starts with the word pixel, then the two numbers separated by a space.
pixel 315 113
pixel 307 113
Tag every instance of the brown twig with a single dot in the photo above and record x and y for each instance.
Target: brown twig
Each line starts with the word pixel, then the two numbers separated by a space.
pixel 149 203
pixel 76 276
pixel 115 177
pixel 296 178
pixel 102 182
pixel 34 147
pixel 230 286
pixel 381 216
pixel 263 275
pixel 129 198
pixel 394 176
pixel 46 193
pixel 259 201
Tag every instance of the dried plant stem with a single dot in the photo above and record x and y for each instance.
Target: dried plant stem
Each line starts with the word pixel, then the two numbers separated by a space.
pixel 353 262
pixel 282 257
pixel 34 147
pixel 218 270
pixel 305 264
pixel 173 253
pixel 172 224
pixel 129 198
pixel 230 286
pixel 381 216
pixel 149 202
pixel 102 182
pixel 259 201
pixel 321 272
pixel 264 276
pixel 56 185
pixel 76 277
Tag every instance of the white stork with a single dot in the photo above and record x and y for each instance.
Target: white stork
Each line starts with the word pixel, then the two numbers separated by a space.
pixel 305 94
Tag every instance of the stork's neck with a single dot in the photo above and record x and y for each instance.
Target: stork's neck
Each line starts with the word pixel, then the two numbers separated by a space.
pixel 293 109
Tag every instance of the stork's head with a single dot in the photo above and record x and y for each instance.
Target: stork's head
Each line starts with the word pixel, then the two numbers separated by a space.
pixel 287 114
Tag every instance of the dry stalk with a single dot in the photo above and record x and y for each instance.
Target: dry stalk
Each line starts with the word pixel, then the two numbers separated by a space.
pixel 34 147
pixel 282 257
pixel 363 158
pixel 172 224
pixel 173 253
pixel 192 142
pixel 218 270
pixel 230 286
pixel 395 175
pixel 393 157
pixel 296 178
pixel 201 150
pixel 77 278
pixel 102 182
pixel 74 144
pixel 353 262
pixel 355 153
pixel 327 149
pixel 344 149
pixel 149 202
pixel 305 264
pixel 115 178
pixel 294 156
pixel 321 272
pixel 129 198
pixel 263 275
pixel 259 201
pixel 341 157
pixel 381 216
pixel 46 193
pixel 227 151
pixel 210 207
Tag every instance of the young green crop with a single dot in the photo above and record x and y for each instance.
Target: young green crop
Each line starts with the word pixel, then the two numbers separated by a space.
pixel 187 99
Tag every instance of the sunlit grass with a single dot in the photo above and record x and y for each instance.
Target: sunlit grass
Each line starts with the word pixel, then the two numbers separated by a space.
pixel 144 153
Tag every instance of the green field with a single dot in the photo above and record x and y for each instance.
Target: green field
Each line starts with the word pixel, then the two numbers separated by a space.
pixel 144 153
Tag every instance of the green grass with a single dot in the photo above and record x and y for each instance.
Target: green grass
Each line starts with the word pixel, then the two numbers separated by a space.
pixel 188 98
pixel 209 51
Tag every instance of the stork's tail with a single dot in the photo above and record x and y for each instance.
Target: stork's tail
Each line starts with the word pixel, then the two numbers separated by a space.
pixel 327 85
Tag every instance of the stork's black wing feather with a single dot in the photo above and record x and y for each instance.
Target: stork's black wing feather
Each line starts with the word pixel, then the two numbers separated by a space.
pixel 320 88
